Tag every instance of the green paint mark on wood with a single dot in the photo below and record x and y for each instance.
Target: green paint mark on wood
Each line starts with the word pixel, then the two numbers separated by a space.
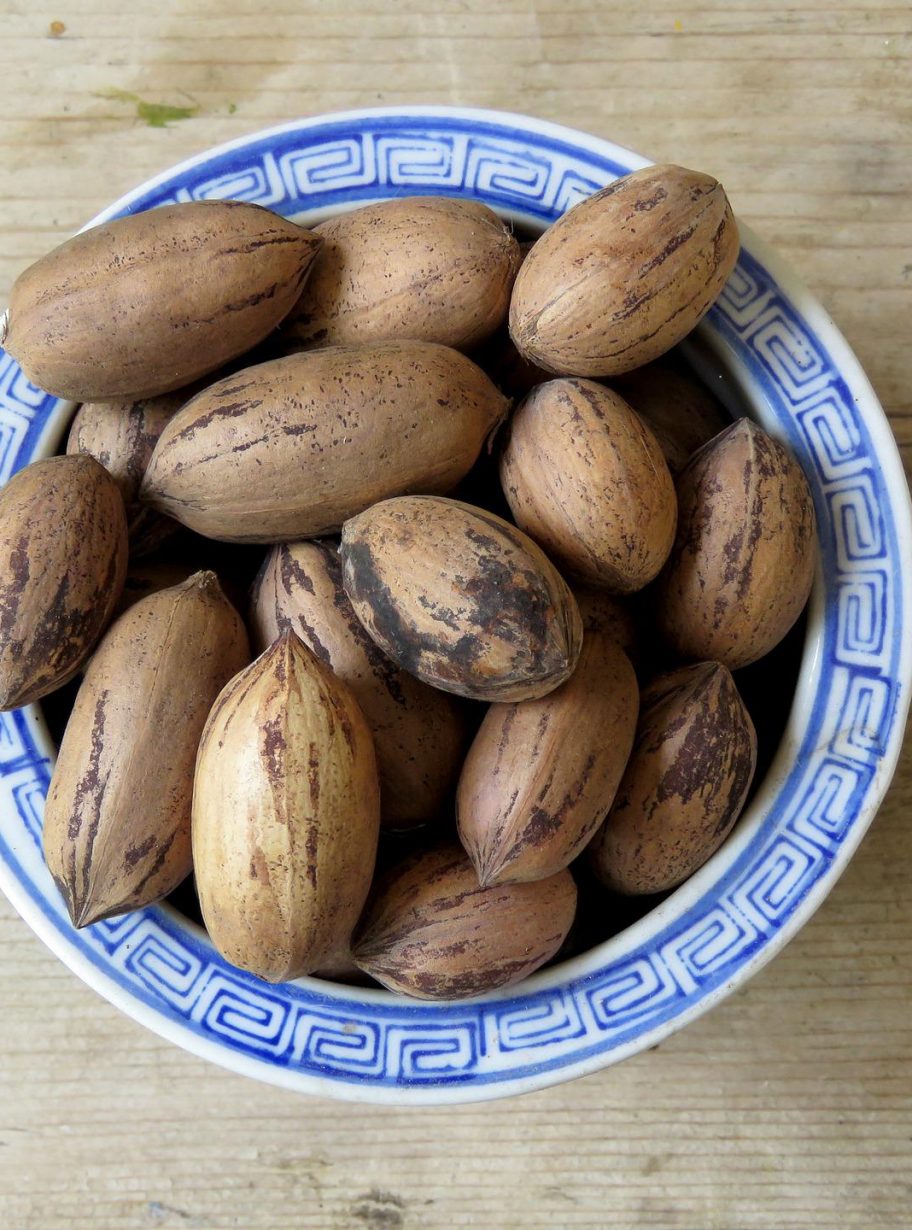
pixel 156 115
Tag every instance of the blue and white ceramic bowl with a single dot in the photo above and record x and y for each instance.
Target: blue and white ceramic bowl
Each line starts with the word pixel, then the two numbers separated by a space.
pixel 773 347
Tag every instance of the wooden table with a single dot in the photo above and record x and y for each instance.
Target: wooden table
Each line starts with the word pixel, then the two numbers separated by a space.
pixel 789 1106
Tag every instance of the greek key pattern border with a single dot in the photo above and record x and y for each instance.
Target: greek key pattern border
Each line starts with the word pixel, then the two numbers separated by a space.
pixel 172 969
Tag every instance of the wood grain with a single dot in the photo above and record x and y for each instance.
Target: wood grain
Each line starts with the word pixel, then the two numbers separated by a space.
pixel 790 1105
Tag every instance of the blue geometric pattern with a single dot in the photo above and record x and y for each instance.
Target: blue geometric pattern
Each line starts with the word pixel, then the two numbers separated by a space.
pixel 385 158
pixel 751 896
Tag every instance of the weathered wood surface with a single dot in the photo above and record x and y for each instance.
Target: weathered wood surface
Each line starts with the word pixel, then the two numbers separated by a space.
pixel 790 1105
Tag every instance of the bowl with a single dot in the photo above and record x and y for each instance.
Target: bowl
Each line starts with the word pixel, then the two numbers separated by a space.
pixel 766 345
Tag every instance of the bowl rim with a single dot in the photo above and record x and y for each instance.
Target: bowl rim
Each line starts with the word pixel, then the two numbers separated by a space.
pixel 884 449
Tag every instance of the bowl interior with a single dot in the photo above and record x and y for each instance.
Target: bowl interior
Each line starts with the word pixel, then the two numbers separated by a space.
pixel 766 344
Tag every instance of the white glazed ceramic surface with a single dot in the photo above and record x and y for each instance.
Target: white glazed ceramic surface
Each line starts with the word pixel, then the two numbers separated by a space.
pixel 777 350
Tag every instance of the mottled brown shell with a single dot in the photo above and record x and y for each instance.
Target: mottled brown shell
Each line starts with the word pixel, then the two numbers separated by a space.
pixel 286 815
pixel 685 784
pixel 541 774
pixel 460 598
pixel 513 374
pixel 419 732
pixel 122 436
pixel 585 477
pixel 292 447
pixel 433 268
pixel 117 818
pixel 147 303
pixel 746 550
pixel 680 411
pixel 340 967
pixel 626 274
pixel 63 559
pixel 612 616
pixel 497 355
pixel 431 932
pixel 149 577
